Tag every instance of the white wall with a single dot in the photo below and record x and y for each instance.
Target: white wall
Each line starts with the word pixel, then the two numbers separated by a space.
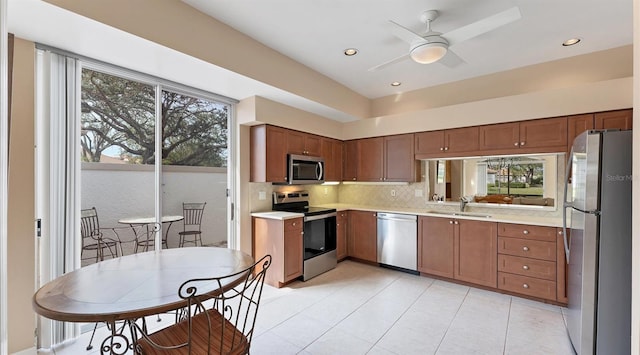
pixel 118 193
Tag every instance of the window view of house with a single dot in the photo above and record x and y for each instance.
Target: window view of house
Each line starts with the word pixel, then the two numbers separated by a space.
pixel 515 176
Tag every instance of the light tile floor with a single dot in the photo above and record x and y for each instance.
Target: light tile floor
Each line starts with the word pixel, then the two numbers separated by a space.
pixel 363 309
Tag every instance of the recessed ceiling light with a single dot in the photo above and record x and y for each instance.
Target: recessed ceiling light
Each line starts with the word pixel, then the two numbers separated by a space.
pixel 396 83
pixel 350 52
pixel 571 42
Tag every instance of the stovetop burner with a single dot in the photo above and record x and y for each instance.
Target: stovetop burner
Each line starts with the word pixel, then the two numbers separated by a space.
pixel 297 202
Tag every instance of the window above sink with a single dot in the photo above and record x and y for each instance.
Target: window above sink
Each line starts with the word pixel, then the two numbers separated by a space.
pixel 523 181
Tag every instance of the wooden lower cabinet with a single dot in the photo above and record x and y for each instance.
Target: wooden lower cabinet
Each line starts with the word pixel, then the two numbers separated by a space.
pixel 475 252
pixel 283 240
pixel 464 250
pixel 342 250
pixel 435 246
pixel 362 235
pixel 530 261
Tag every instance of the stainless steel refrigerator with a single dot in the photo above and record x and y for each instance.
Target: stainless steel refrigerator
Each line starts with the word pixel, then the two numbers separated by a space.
pixel 598 199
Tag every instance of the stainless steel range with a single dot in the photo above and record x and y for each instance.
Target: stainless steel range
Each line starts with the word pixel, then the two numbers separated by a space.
pixel 319 238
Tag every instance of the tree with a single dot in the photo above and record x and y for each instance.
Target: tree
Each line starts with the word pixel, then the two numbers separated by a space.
pixel 118 112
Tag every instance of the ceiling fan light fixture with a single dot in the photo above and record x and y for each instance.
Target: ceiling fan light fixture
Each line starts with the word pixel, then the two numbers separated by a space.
pixel 571 42
pixel 428 52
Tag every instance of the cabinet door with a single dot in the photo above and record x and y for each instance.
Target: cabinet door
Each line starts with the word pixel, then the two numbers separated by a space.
pixel 370 157
pixel 622 119
pixel 332 154
pixel 399 158
pixel 341 235
pixel 362 235
pixel 350 161
pixel 313 145
pixel 430 144
pixel 276 154
pixel 476 252
pixel 293 245
pixel 504 136
pixel 544 135
pixel 435 246
pixel 461 140
pixel 576 125
pixel 295 142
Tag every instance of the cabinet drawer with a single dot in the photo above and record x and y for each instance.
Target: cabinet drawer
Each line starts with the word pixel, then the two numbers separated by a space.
pixel 527 267
pixel 527 285
pixel 527 232
pixel 293 224
pixel 527 248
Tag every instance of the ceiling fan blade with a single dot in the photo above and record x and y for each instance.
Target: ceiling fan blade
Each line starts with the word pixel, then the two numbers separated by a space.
pixel 483 26
pixel 402 32
pixel 451 59
pixel 390 62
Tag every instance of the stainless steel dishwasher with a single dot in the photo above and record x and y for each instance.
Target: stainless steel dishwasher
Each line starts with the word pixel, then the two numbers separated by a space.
pixel 398 240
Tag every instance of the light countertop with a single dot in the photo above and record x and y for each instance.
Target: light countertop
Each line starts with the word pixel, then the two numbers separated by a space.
pixel 472 215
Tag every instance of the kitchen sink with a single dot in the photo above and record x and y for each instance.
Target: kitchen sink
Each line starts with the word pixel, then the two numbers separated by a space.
pixel 465 214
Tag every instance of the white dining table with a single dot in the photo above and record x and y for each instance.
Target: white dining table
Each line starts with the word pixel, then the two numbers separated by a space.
pixel 148 221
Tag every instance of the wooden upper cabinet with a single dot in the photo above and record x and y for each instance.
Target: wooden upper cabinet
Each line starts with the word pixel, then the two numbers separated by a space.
pixel 445 143
pixel 536 136
pixel 304 144
pixel 399 161
pixel 621 119
pixel 544 135
pixel 370 159
pixel 499 137
pixel 332 154
pixel 350 160
pixel 576 125
pixel 429 144
pixel 268 154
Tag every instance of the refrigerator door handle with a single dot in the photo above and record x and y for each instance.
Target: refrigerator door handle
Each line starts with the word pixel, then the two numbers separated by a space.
pixel 566 204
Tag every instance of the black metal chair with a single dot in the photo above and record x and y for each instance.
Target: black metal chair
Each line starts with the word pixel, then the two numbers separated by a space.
pixel 224 328
pixel 192 212
pixel 93 238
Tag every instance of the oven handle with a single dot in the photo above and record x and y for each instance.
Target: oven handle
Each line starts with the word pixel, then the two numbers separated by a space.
pixel 322 216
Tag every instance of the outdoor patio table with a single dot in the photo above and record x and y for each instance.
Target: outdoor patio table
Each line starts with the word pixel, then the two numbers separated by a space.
pixel 148 221
pixel 134 286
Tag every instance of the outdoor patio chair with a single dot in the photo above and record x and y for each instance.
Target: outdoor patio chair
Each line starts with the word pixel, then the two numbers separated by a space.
pixel 192 212
pixel 226 327
pixel 93 237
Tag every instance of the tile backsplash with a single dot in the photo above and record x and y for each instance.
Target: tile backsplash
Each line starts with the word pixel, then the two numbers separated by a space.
pixel 402 195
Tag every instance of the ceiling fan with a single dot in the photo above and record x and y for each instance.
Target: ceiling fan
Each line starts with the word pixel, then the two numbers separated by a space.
pixel 431 46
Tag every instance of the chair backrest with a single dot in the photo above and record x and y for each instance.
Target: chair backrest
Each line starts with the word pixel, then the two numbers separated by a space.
pixel 225 327
pixel 89 223
pixel 193 212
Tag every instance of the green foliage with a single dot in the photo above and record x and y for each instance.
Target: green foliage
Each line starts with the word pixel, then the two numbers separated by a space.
pixel 118 112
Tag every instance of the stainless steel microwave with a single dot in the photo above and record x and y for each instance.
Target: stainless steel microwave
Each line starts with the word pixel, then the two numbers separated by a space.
pixel 304 169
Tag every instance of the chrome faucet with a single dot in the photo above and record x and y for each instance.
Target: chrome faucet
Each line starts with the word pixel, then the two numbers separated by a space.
pixel 463 203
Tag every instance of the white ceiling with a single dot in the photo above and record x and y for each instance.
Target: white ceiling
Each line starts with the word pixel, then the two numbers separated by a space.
pixel 315 33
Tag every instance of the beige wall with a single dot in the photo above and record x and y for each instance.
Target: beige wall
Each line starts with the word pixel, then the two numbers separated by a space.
pixel 21 209
pixel 202 37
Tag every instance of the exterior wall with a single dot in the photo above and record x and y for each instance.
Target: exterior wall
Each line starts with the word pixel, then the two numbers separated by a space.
pixel 21 255
pixel 118 193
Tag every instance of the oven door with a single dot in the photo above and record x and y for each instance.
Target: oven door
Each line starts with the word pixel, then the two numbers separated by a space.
pixel 319 234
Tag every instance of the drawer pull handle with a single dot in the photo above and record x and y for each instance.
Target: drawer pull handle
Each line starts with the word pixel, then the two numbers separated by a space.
pixel 525 285
pixel 525 248
pixel 525 267
pixel 450 222
pixel 525 232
